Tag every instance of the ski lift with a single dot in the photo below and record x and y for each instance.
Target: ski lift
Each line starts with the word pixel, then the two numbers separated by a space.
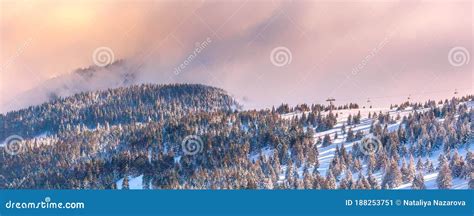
pixel 330 100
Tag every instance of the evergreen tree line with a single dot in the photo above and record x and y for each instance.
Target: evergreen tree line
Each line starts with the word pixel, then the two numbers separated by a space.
pixel 255 149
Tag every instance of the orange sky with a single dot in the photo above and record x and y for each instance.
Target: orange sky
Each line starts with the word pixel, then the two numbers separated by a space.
pixel 402 47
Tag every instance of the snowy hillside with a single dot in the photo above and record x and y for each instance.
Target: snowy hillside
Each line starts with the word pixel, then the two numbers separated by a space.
pixel 326 154
pixel 196 137
pixel 339 137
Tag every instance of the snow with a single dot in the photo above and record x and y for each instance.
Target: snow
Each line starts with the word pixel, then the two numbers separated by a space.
pixel 430 182
pixel 326 154
pixel 267 153
pixel 430 178
pixel 135 183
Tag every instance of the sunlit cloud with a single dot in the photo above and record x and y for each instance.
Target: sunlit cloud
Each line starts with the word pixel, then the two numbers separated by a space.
pixel 42 40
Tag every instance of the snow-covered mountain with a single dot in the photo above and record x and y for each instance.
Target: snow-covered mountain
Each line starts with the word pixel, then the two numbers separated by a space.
pixel 197 137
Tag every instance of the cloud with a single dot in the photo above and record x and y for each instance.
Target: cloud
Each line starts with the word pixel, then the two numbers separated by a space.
pixel 326 39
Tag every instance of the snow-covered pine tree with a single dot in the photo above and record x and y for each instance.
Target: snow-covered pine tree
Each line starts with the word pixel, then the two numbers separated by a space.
pixel 456 164
pixel 418 182
pixel 327 140
pixel 471 180
pixel 393 176
pixel 125 184
pixel 445 178
pixel 330 181
pixel 419 165
pixel 350 135
pixel 374 184
pixel 411 169
pixel 346 182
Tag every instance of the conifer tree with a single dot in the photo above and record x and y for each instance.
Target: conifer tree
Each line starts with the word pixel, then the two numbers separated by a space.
pixel 411 169
pixel 125 184
pixel 444 179
pixel 330 181
pixel 419 165
pixel 471 181
pixel 372 181
pixel 327 140
pixel 456 164
pixel 350 135
pixel 393 176
pixel 418 182
pixel 346 182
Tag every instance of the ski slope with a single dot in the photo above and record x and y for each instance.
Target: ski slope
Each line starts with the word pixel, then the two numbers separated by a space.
pixel 326 154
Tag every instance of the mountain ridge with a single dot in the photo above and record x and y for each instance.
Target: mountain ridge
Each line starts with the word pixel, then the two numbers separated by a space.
pixel 152 97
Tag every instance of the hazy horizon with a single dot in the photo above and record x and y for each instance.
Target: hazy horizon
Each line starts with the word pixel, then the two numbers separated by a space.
pixel 262 52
